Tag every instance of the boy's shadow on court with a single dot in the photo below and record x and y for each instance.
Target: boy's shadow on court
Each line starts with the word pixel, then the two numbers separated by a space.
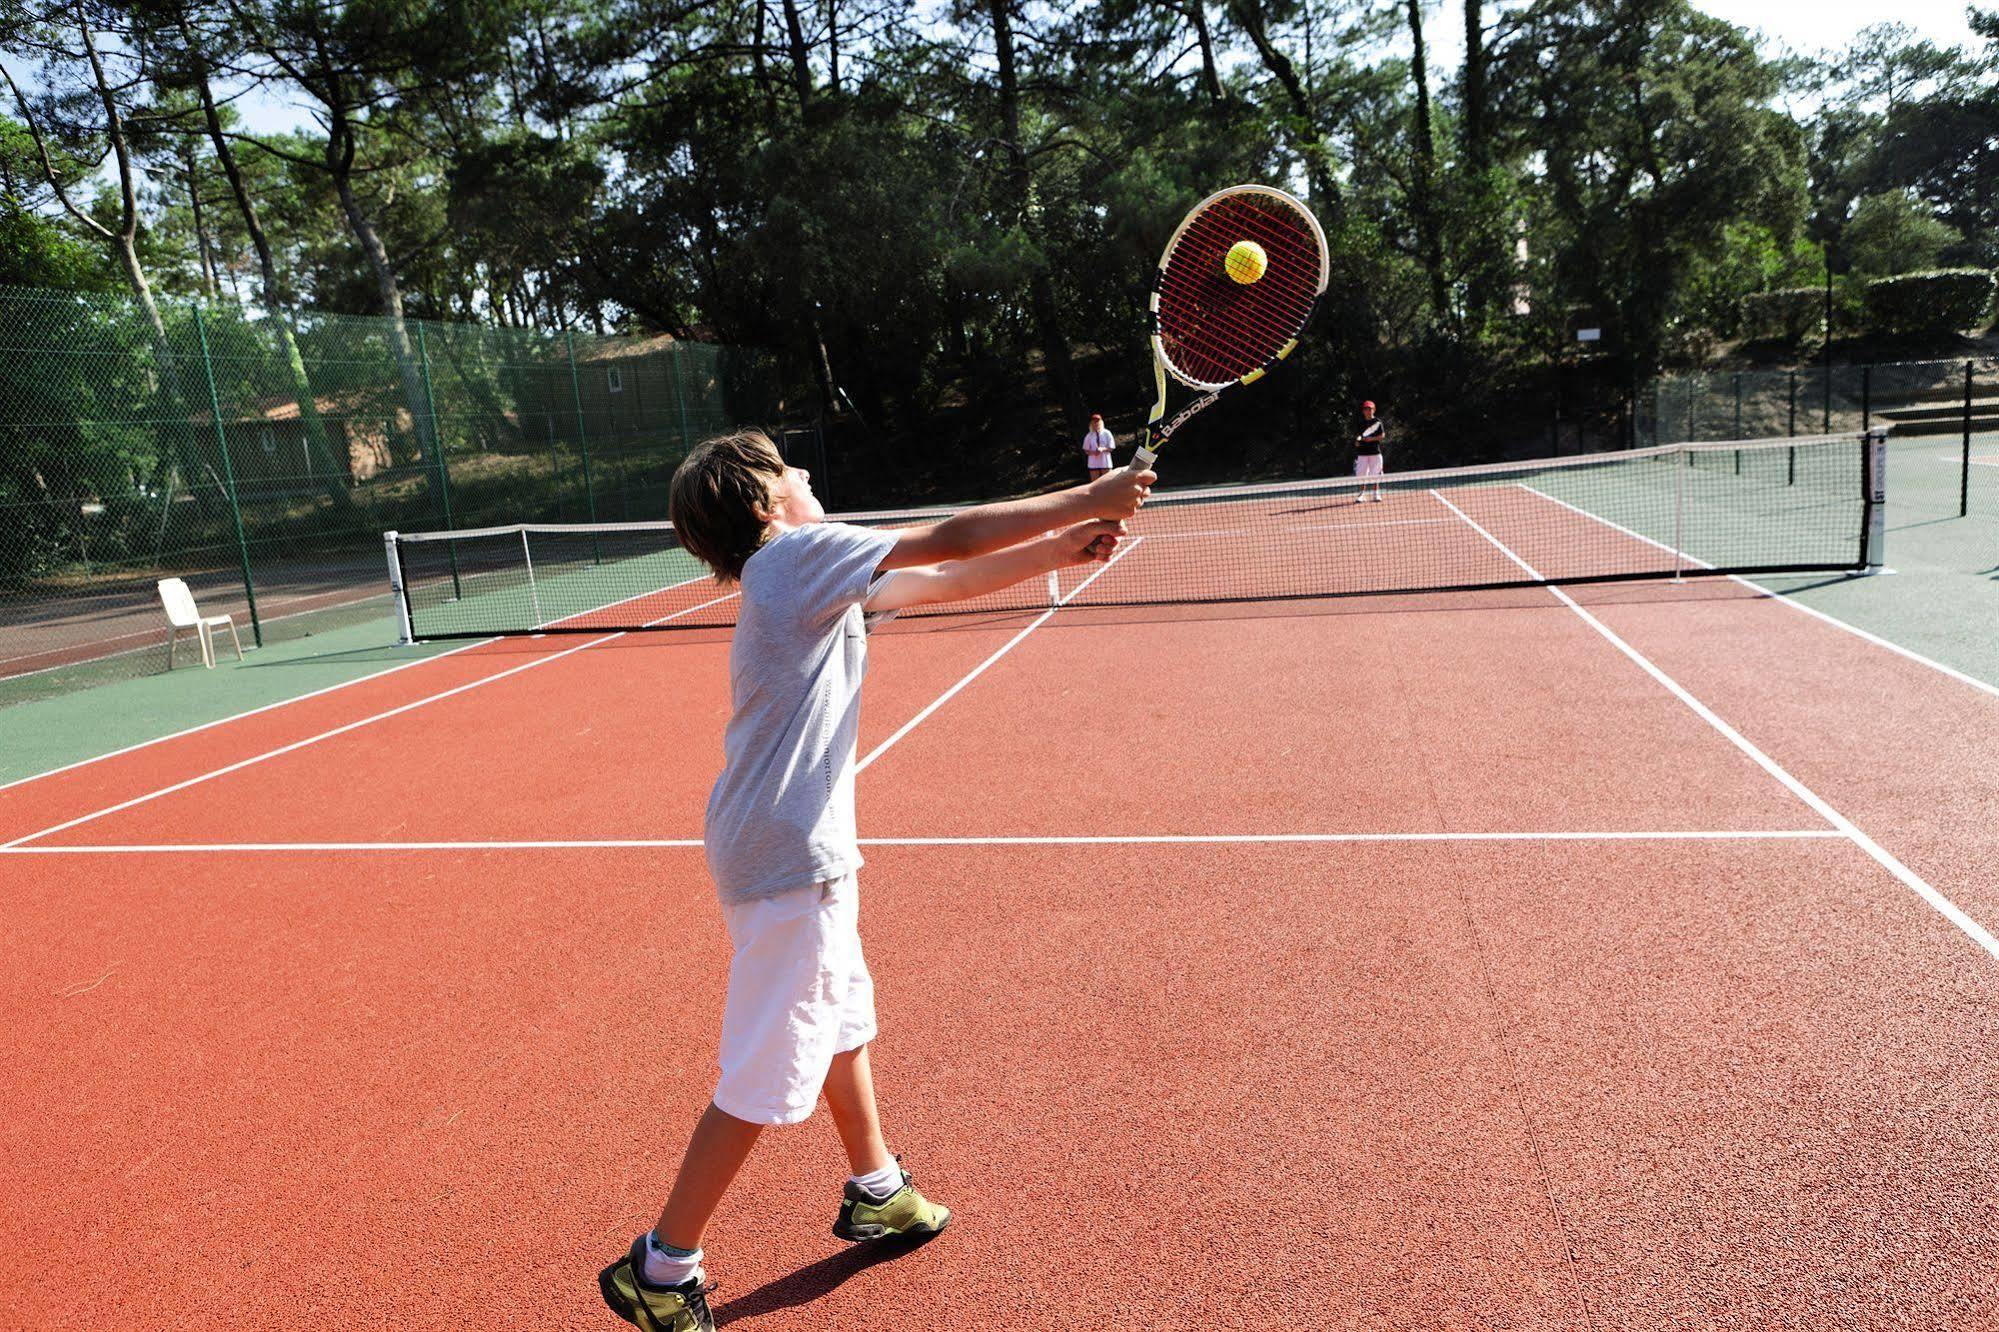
pixel 801 1287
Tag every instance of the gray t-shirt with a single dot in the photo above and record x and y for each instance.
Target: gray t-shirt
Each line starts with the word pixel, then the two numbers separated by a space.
pixel 782 812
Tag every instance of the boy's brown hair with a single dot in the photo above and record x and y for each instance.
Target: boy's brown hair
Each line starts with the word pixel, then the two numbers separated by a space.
pixel 715 497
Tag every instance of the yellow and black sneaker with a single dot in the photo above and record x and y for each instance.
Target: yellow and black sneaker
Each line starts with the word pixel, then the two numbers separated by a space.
pixel 682 1308
pixel 904 1214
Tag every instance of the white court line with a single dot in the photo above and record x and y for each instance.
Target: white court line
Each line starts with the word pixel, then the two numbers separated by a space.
pixel 238 716
pixel 1948 909
pixel 300 698
pixel 1108 839
pixel 1770 595
pixel 342 730
pixel 1264 534
pixel 980 669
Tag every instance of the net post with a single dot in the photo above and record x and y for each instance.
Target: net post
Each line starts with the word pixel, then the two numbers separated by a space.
pixel 1964 457
pixel 436 442
pixel 1738 421
pixel 404 634
pixel 534 593
pixel 1679 519
pixel 1874 520
pixel 229 479
pixel 582 439
pixel 1791 454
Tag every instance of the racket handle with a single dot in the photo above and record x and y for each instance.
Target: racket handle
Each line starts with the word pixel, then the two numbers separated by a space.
pixel 1142 459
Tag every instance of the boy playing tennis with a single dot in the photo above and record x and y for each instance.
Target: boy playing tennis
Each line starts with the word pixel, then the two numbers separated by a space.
pixel 780 831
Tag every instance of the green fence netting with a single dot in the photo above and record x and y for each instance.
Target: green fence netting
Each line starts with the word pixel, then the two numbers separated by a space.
pixel 261 458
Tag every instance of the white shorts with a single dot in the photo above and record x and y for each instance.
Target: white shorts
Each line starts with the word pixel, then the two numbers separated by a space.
pixel 799 993
pixel 1367 464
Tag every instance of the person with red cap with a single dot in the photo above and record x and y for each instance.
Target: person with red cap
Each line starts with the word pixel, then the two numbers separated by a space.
pixel 1097 446
pixel 1367 452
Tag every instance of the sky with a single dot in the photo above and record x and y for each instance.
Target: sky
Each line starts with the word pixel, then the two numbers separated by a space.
pixel 1794 25
pixel 1803 27
pixel 1822 24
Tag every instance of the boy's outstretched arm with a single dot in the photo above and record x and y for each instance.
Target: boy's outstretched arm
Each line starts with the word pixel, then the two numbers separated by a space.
pixel 992 527
pixel 959 580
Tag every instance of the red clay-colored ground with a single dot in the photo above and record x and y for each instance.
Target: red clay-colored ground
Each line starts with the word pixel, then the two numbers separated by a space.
pixel 1706 1081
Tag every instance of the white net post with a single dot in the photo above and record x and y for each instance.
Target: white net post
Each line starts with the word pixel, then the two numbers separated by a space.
pixel 1877 498
pixel 534 593
pixel 403 632
pixel 1680 516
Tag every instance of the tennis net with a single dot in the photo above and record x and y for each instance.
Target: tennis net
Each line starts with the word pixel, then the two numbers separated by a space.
pixel 1797 505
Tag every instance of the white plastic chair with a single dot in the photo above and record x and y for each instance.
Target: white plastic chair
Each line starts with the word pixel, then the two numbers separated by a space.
pixel 181 614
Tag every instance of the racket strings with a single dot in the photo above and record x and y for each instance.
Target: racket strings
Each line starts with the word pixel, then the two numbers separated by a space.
pixel 1197 304
pixel 1216 329
pixel 1215 231
pixel 1289 279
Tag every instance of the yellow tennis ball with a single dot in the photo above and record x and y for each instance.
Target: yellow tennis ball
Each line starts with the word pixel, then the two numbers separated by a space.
pixel 1246 262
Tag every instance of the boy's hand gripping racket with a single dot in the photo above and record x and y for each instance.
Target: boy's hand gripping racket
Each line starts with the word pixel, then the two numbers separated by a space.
pixel 1232 293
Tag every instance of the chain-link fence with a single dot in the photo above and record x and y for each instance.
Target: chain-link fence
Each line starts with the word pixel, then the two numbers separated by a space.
pixel 1944 417
pixel 260 459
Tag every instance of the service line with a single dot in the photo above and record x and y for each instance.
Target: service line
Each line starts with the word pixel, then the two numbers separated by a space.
pixel 1081 839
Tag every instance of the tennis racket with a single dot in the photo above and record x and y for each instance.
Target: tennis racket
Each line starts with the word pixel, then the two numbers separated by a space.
pixel 1230 298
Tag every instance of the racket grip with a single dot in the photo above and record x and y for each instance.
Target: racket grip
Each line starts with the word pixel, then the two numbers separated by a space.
pixel 1142 459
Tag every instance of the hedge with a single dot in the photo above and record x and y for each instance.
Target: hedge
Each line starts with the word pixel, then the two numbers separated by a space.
pixel 1789 313
pixel 1947 301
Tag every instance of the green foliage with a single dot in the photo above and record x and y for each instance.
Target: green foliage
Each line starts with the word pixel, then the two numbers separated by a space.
pixel 956 243
pixel 1788 314
pixel 1950 301
pixel 1751 259
pixel 1892 233
pixel 1653 126
pixel 34 252
pixel 1900 116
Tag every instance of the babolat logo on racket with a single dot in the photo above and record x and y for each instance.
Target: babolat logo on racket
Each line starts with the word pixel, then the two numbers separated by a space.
pixel 1232 293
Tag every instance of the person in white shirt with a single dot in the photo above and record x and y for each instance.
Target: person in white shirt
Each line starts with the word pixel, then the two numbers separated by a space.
pixel 1097 446
pixel 1367 451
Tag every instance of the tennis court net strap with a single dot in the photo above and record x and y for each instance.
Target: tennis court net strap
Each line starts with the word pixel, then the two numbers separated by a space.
pixel 1800 505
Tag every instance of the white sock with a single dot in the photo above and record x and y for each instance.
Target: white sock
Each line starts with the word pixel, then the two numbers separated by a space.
pixel 880 1183
pixel 668 1266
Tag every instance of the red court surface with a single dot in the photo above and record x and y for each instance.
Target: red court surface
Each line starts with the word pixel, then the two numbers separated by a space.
pixel 1610 959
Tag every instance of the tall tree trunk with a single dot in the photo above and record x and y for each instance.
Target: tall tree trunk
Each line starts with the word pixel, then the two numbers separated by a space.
pixel 1474 125
pixel 340 151
pixel 176 443
pixel 335 471
pixel 833 45
pixel 762 75
pixel 1484 255
pixel 1041 287
pixel 201 246
pixel 1426 170
pixel 1211 80
pixel 1249 16
pixel 801 67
